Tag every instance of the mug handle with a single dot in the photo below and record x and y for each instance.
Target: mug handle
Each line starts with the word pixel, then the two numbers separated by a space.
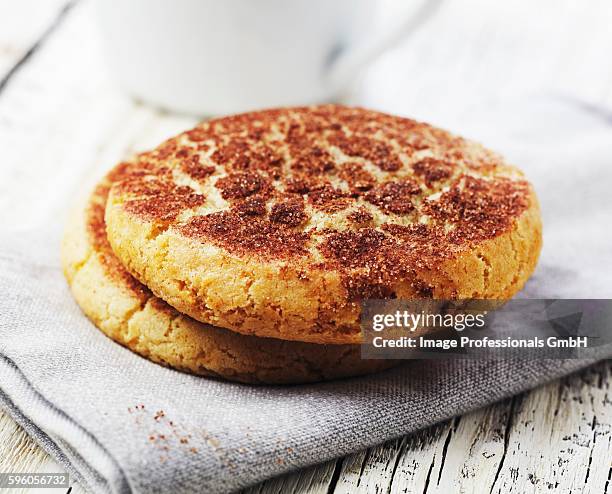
pixel 343 68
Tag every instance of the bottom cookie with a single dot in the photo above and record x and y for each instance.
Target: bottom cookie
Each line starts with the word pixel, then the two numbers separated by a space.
pixel 126 311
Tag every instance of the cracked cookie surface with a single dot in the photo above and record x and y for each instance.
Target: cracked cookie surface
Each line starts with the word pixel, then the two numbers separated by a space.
pixel 279 223
pixel 130 314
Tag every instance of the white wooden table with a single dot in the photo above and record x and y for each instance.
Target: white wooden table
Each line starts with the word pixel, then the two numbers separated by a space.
pixel 63 119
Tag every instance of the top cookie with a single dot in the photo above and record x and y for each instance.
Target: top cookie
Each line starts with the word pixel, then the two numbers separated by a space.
pixel 278 223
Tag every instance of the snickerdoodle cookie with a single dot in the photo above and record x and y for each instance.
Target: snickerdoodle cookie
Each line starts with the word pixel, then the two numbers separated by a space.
pixel 128 313
pixel 279 223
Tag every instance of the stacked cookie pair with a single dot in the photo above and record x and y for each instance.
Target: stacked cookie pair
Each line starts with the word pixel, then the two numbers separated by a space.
pixel 244 247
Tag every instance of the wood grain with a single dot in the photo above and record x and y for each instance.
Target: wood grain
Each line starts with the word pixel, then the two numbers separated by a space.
pixel 556 438
pixel 63 120
pixel 20 454
pixel 577 434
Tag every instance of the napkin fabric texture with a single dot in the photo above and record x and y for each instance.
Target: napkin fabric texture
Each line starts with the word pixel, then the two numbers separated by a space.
pixel 122 424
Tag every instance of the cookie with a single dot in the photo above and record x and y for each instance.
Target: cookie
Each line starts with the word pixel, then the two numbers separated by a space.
pixel 130 314
pixel 279 223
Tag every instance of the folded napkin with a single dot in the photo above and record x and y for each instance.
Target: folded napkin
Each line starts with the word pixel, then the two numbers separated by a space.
pixel 120 423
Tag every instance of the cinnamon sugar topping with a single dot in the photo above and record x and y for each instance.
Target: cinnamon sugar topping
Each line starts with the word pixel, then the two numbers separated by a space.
pixel 242 184
pixel 414 193
pixel 433 170
pixel 328 198
pixel 251 206
pixel 246 235
pixel 288 213
pixel 374 150
pixel 394 197
pixel 358 178
pixel 360 216
pixel 480 208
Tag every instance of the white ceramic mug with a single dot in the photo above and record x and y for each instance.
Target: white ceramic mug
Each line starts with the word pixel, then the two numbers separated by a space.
pixel 211 57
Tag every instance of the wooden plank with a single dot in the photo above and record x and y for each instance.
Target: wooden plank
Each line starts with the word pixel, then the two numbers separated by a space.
pixel 63 120
pixel 422 456
pixel 20 454
pixel 475 450
pixel 561 437
pixel 313 480
pixel 555 438
pixel 457 456
pixel 410 459
pixel 24 25
pixel 367 471
pixel 539 448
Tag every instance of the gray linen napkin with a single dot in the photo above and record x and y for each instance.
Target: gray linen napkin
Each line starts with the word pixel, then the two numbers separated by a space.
pixel 121 423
